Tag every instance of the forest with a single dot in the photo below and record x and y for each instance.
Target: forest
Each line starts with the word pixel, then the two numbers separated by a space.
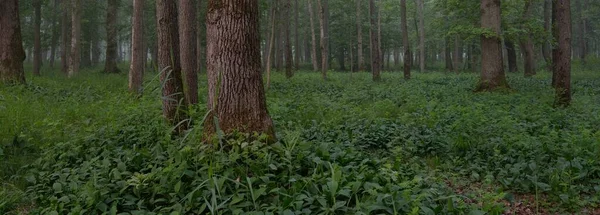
pixel 290 107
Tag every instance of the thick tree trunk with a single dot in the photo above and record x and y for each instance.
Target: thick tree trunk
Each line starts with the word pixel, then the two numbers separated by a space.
pixel 405 41
pixel 511 53
pixel 420 9
pixel 75 38
pixel 288 39
pixel 324 37
pixel 314 38
pixel 361 59
pixel 136 70
pixel 37 37
pixel 173 99
pixel 12 54
pixel 547 48
pixel 65 36
pixel 236 94
pixel 187 47
pixel 54 39
pixel 562 52
pixel 375 52
pixel 297 48
pixel 492 69
pixel 110 65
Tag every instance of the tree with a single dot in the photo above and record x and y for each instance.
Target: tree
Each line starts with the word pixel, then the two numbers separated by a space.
pixel 405 41
pixel 37 47
pixel 65 37
pixel 526 44
pixel 75 38
pixel 136 70
pixel 374 38
pixel 420 8
pixel 361 60
pixel 546 47
pixel 54 39
pixel 511 54
pixel 323 4
pixel 12 54
pixel 492 69
pixel 173 99
pixel 187 39
pixel 236 97
pixel 314 38
pixel 581 31
pixel 272 41
pixel 562 51
pixel 297 52
pixel 110 64
pixel 287 40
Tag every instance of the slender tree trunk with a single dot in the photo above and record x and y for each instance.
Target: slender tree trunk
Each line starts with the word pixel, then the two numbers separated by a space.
pixel 492 69
pixel 361 60
pixel 420 9
pixel 267 50
pixel 448 55
pixel 110 65
pixel 75 38
pixel 341 58
pixel 547 48
pixel 236 94
pixel 405 41
pixel 54 39
pixel 324 43
pixel 297 52
pixel 581 31
pixel 381 56
pixel 173 99
pixel 289 61
pixel 12 53
pixel 562 52
pixel 271 42
pixel 457 54
pixel 136 70
pixel 65 36
pixel 199 50
pixel 526 45
pixel 187 47
pixel 314 38
pixel 375 52
pixel 37 47
pixel 511 53
pixel 351 58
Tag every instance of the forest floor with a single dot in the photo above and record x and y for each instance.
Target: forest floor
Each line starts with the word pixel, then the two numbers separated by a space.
pixel 347 146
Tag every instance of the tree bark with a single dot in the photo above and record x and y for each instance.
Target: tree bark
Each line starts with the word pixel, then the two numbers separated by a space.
pixel 37 41
pixel 420 9
pixel 581 31
pixel 12 53
pixel 236 94
pixel 289 61
pixel 457 54
pixel 492 69
pixel 187 47
pixel 65 37
pixel 75 38
pixel 271 41
pixel 110 65
pixel 375 52
pixel 405 41
pixel 511 53
pixel 359 50
pixel 54 39
pixel 136 70
pixel 324 37
pixel 173 99
pixel 547 47
pixel 297 48
pixel 562 52
pixel 526 44
pixel 314 38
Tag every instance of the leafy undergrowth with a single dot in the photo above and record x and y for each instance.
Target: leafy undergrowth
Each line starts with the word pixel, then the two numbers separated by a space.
pixel 347 146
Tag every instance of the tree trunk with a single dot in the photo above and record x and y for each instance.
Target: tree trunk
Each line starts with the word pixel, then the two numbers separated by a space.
pixel 297 52
pixel 136 70
pixel 457 54
pixel 187 48
pixel 324 37
pixel 361 59
pixel 110 65
pixel 173 99
pixel 511 53
pixel 448 55
pixel 37 44
pixel 267 50
pixel 314 38
pixel 341 58
pixel 562 52
pixel 492 69
pixel 65 37
pixel 405 41
pixel 547 47
pixel 199 50
pixel 271 41
pixel 54 39
pixel 75 38
pixel 581 31
pixel 375 52
pixel 12 54
pixel 236 94
pixel 526 44
pixel 420 9
pixel 288 39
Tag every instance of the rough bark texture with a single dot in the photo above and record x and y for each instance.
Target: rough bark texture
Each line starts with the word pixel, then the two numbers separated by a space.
pixel 546 47
pixel 420 10
pixel 65 36
pixel 187 47
pixel 374 38
pixel 324 38
pixel 511 54
pixel 110 65
pixel 313 53
pixel 526 44
pixel 492 70
pixel 75 38
pixel 37 37
pixel 361 60
pixel 562 52
pixel 288 39
pixel 173 99
pixel 136 70
pixel 236 95
pixel 12 54
pixel 405 41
